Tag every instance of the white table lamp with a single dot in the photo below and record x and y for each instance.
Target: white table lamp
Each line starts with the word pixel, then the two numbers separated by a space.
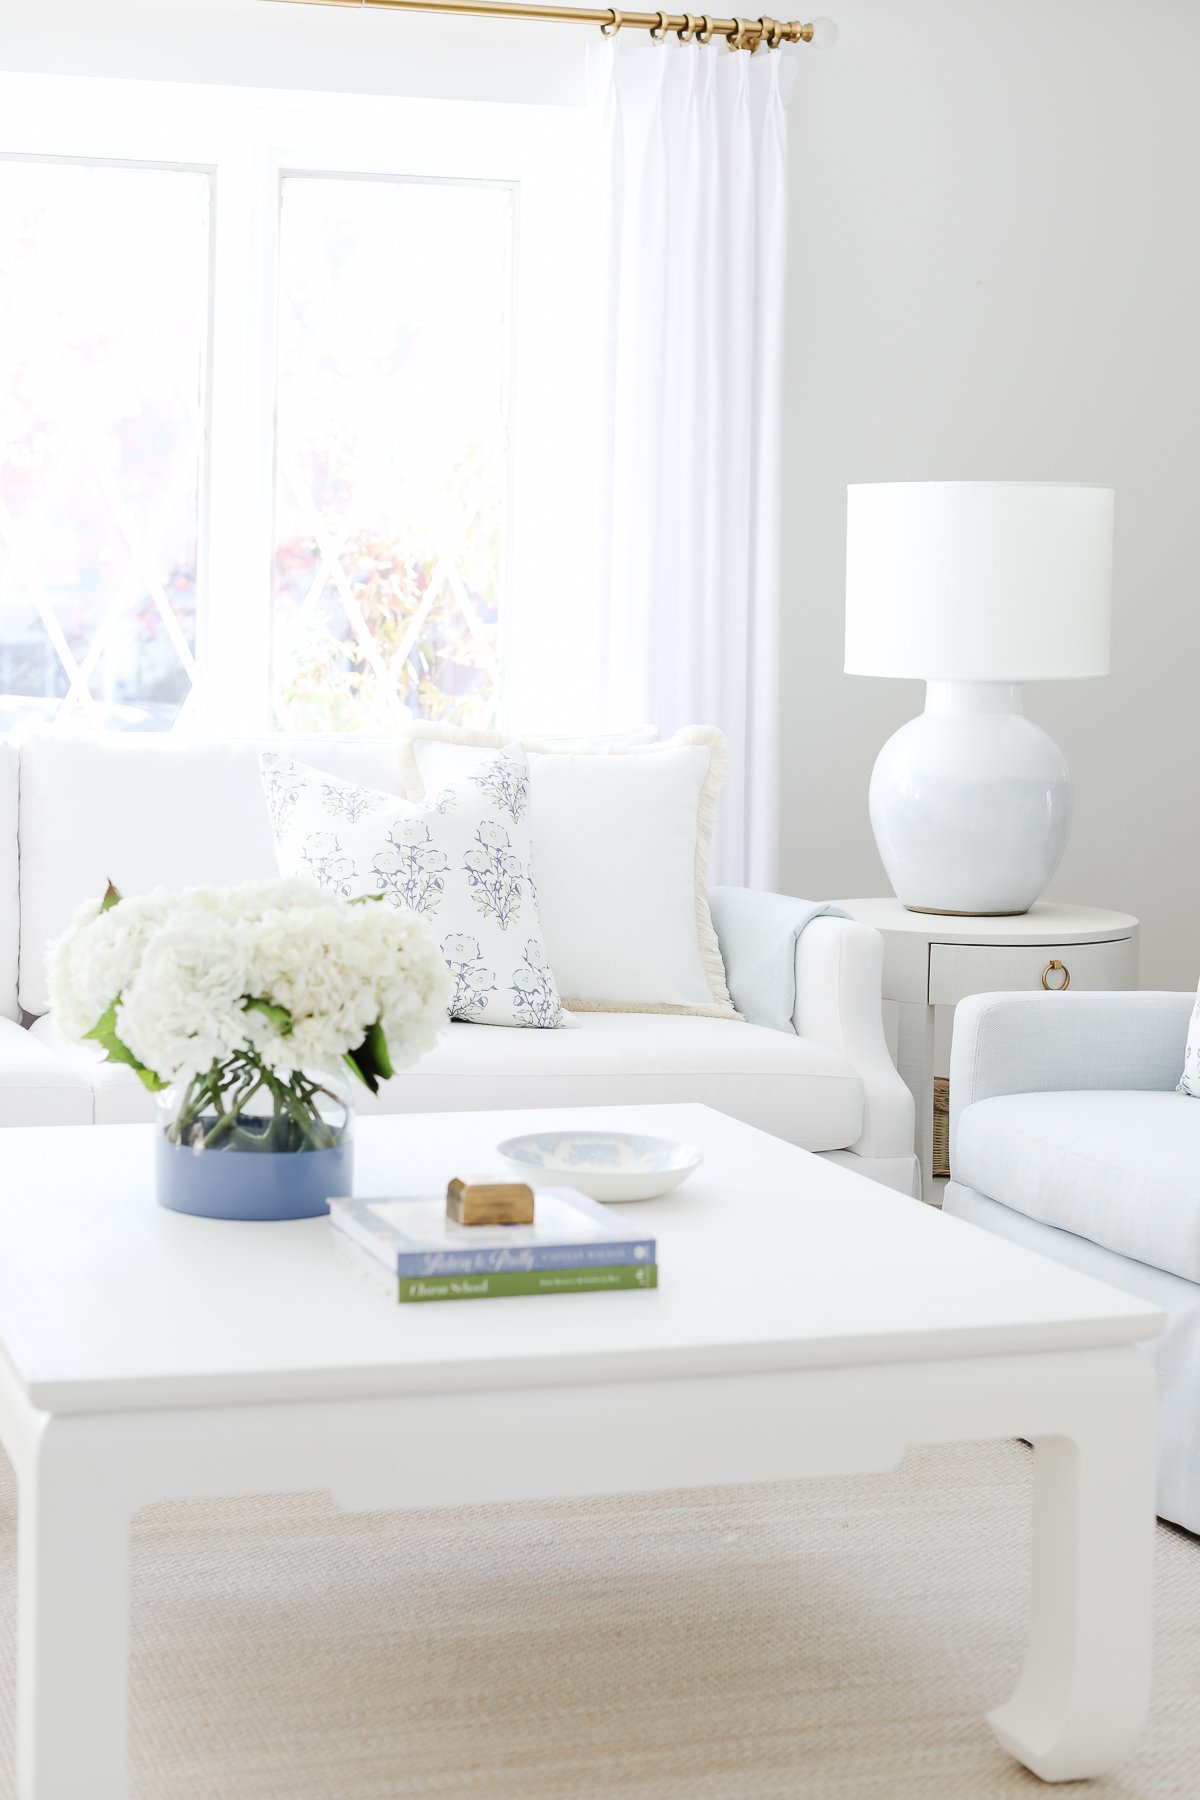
pixel 975 587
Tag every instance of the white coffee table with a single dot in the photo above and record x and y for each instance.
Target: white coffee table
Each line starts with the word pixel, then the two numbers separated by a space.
pixel 808 1322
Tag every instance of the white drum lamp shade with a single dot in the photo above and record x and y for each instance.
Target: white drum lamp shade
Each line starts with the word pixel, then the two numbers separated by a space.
pixel 978 580
pixel 975 587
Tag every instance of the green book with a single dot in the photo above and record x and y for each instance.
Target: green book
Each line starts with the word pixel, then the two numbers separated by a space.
pixel 414 1288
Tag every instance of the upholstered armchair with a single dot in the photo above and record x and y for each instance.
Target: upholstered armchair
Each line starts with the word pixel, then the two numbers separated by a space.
pixel 1068 1135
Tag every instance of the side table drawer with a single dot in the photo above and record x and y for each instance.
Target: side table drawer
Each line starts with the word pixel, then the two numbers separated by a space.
pixel 956 970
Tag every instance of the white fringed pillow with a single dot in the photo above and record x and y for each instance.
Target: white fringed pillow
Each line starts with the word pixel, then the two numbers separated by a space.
pixel 461 859
pixel 623 835
pixel 1189 1081
pixel 459 748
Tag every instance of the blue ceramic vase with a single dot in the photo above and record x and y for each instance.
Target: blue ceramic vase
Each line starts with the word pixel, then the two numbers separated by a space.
pixel 256 1166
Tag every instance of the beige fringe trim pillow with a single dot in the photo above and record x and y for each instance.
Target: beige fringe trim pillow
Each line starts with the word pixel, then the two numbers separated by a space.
pixel 621 839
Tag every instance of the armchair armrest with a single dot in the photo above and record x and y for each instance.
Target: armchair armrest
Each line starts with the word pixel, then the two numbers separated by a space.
pixel 1046 1043
pixel 839 1002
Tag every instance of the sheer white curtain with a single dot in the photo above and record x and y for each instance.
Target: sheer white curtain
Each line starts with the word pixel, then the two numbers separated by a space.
pixel 697 139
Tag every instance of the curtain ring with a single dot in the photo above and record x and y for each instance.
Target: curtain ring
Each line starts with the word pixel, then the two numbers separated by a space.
pixel 777 35
pixel 612 24
pixel 705 36
pixel 688 29
pixel 659 32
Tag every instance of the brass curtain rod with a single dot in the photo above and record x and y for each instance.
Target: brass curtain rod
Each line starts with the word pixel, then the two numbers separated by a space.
pixel 739 34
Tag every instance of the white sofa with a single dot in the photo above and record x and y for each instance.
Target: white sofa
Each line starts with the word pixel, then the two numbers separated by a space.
pixel 172 811
pixel 1067 1135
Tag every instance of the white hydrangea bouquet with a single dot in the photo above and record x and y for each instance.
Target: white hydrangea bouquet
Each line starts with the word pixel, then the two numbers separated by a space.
pixel 248 1002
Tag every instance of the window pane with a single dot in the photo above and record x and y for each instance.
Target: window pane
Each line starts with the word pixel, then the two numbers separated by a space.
pixel 391 452
pixel 103 326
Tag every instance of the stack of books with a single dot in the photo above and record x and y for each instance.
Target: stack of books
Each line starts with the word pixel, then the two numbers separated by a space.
pixel 413 1252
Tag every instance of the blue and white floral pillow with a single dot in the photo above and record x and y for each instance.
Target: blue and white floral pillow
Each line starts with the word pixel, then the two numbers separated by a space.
pixel 461 858
pixel 1190 1080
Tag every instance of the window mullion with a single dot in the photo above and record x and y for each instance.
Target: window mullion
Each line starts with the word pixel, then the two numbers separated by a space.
pixel 235 637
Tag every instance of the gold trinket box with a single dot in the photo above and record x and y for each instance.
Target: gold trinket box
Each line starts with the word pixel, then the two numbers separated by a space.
pixel 489 1200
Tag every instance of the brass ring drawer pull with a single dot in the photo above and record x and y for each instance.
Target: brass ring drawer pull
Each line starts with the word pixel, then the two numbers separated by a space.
pixel 1056 968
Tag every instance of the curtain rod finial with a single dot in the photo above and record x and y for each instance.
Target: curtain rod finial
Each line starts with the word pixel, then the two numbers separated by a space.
pixel 822 34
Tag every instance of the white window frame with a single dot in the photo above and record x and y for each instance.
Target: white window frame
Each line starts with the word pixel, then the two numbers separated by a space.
pixel 248 140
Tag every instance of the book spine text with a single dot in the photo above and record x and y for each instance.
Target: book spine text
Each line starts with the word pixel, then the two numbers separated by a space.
pixel 417 1288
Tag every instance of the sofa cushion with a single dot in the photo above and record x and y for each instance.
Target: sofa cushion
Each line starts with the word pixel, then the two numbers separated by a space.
pixel 463 859
pixel 460 747
pixel 787 1085
pixel 36 1086
pixel 149 812
pixel 621 836
pixel 9 899
pixel 1122 1169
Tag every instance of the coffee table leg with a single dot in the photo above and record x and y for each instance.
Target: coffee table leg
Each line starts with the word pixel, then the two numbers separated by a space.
pixel 1084 1692
pixel 72 1621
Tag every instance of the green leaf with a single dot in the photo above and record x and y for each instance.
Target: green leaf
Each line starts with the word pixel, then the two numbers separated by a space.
pixel 112 897
pixel 279 1016
pixel 363 899
pixel 371 1062
pixel 104 1033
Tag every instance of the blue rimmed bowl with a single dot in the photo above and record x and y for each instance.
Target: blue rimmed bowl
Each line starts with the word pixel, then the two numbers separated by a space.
pixel 605 1165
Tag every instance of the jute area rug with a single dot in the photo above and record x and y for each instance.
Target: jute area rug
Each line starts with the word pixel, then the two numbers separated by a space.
pixel 837 1638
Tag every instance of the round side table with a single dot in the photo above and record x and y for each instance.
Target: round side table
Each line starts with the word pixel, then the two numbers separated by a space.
pixel 931 960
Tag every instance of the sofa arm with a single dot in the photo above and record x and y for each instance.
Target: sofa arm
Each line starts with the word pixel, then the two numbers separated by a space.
pixel 758 933
pixel 1048 1043
pixel 839 1002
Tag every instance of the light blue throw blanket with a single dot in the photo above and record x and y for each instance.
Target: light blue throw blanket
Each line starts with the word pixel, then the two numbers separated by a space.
pixel 757 934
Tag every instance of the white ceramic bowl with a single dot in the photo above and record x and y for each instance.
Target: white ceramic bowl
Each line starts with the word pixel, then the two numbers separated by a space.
pixel 606 1165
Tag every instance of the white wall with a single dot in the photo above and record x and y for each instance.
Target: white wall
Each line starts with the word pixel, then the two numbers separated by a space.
pixel 996 273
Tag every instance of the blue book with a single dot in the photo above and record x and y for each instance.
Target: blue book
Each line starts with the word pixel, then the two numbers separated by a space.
pixel 411 1236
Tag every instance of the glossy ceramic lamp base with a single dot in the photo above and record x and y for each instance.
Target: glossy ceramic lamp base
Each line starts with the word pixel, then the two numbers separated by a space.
pixel 970 803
